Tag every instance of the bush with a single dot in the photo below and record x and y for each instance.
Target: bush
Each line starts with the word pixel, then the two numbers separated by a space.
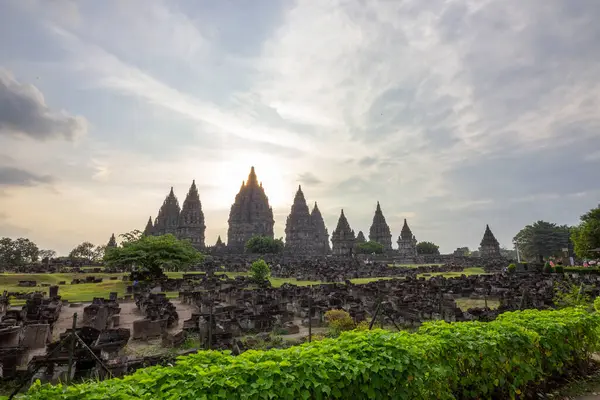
pixel 512 268
pixel 339 321
pixel 264 245
pixel 260 271
pixel 442 361
pixel 547 268
pixel 559 269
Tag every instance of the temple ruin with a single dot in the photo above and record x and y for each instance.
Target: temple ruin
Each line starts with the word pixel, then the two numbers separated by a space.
pixel 343 238
pixel 380 231
pixel 489 247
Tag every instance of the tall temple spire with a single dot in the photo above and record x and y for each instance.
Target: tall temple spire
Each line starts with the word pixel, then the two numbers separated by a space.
pixel 407 244
pixel 320 230
pixel 167 219
pixel 112 242
pixel 191 218
pixel 250 215
pixel 380 231
pixel 342 237
pixel 489 246
pixel 299 229
pixel 149 229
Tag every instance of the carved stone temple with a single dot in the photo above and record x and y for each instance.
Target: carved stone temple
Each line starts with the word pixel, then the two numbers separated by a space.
pixel 380 231
pixel 342 238
pixel 407 244
pixel 300 232
pixel 184 223
pixel 489 246
pixel 320 231
pixel 250 215
pixel 112 242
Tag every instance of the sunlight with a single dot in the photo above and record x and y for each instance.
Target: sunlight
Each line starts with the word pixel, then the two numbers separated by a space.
pixel 232 172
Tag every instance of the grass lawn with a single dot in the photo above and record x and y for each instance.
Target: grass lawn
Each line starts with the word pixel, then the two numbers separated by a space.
pixel 466 271
pixel 414 265
pixel 465 303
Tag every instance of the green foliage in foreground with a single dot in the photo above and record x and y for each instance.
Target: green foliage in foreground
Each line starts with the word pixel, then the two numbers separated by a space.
pixel 440 361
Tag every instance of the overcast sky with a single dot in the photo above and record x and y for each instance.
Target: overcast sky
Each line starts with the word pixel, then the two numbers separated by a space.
pixel 452 114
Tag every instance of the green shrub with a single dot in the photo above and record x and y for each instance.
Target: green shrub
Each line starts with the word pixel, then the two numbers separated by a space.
pixel 512 268
pixel 548 268
pixel 260 271
pixel 559 269
pixel 339 321
pixel 443 361
pixel 597 304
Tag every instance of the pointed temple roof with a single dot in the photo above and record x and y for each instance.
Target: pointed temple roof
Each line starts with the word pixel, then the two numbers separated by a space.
pixel 219 241
pixel 252 179
pixel 149 227
pixel 112 242
pixel 488 238
pixel 406 233
pixel 192 203
pixel 360 238
pixel 380 231
pixel 342 225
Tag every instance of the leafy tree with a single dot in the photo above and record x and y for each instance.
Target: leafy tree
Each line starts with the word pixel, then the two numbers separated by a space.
pixel 18 252
pixel 264 245
pixel 428 248
pixel 47 254
pixel 586 236
pixel 260 271
pixel 131 236
pixel 83 251
pixel 370 247
pixel 463 250
pixel 507 253
pixel 98 253
pixel 542 239
pixel 153 253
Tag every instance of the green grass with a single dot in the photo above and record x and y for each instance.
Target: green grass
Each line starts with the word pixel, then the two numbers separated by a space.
pixel 360 281
pixel 465 303
pixel 414 265
pixel 466 271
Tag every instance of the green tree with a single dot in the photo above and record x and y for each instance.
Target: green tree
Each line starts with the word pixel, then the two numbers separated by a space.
pixel 586 235
pixel 260 271
pixel 428 248
pixel 507 253
pixel 370 247
pixel 83 252
pixel 264 245
pixel 98 253
pixel 47 254
pixel 542 239
pixel 18 252
pixel 152 254
pixel 131 236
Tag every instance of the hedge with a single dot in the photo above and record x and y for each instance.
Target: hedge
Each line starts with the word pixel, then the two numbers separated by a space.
pixel 440 361
pixel 582 270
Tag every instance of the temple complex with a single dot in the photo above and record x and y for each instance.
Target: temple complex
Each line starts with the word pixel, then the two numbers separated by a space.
pixel 322 246
pixel 380 231
pixel 299 229
pixel 342 237
pixel 489 247
pixel 250 215
pixel 407 244
pixel 185 223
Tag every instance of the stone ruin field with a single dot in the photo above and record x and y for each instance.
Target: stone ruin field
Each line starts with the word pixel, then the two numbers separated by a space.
pixel 127 327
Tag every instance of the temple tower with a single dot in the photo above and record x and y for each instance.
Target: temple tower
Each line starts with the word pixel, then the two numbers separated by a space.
pixel 191 219
pixel 250 215
pixel 489 246
pixel 167 220
pixel 299 230
pixel 112 242
pixel 380 231
pixel 407 244
pixel 360 238
pixel 342 237
pixel 321 235
pixel 149 229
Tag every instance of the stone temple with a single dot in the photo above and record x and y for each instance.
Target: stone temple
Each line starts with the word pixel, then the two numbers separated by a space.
pixel 185 223
pixel 250 215
pixel 380 231
pixel 489 246
pixel 343 237
pixel 305 232
pixel 407 244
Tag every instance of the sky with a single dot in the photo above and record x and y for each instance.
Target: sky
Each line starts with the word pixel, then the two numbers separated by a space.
pixel 453 114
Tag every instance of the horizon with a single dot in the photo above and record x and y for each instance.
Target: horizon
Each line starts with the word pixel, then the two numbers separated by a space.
pixel 453 115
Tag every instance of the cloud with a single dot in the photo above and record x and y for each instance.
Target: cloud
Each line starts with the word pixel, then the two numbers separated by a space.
pixel 23 111
pixel 309 179
pixel 10 230
pixel 10 176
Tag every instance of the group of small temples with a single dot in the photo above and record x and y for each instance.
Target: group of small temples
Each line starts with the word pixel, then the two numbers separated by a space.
pixel 305 232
